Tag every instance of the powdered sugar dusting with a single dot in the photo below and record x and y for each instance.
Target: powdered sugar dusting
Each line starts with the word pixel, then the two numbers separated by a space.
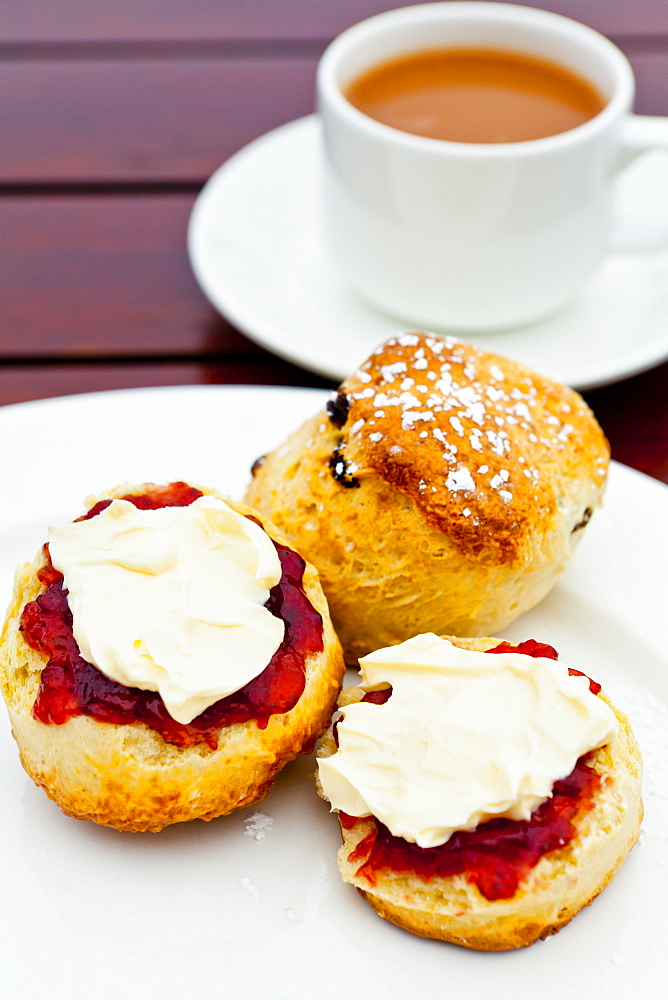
pixel 487 435
pixel 460 479
pixel 258 825
pixel 250 887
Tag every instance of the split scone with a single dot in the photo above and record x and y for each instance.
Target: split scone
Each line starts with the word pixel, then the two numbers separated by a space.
pixel 443 490
pixel 164 657
pixel 485 792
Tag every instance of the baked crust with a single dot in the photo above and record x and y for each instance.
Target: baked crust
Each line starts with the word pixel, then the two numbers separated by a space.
pixel 127 776
pixel 444 491
pixel 557 888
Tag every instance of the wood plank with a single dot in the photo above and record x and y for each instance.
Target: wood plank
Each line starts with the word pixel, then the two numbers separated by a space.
pixel 195 20
pixel 103 276
pixel 164 121
pixel 651 71
pixel 141 120
pixel 634 416
pixel 22 383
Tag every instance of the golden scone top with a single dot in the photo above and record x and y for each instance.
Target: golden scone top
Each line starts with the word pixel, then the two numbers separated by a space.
pixel 484 446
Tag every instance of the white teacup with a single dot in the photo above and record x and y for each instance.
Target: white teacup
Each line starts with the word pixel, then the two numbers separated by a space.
pixel 472 236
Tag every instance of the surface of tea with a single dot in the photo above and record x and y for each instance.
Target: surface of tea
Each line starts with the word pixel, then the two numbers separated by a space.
pixel 475 95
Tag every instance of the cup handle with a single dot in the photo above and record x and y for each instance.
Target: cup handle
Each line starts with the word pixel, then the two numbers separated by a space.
pixel 642 133
pixel 640 214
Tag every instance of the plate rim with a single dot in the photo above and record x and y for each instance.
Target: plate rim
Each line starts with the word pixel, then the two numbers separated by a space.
pixel 513 970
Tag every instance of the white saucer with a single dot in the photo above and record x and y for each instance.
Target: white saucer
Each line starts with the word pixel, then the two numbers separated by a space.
pixel 255 246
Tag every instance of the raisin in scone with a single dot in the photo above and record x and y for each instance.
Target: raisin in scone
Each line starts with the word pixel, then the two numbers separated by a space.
pixel 164 657
pixel 485 792
pixel 443 490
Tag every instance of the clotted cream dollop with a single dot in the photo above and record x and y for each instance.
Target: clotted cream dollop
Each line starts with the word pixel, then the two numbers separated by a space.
pixel 172 599
pixel 465 737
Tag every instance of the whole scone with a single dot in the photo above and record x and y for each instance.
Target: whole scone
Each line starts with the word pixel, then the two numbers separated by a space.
pixel 453 909
pixel 443 490
pixel 129 776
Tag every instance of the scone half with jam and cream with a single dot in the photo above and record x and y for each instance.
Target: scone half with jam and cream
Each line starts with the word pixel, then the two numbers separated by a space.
pixel 485 792
pixel 443 489
pixel 164 656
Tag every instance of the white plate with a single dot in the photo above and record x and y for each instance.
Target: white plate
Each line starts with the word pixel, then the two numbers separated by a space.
pixel 207 909
pixel 255 247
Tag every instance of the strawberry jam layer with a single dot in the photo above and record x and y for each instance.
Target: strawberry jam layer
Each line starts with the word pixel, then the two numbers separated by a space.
pixel 498 854
pixel 71 686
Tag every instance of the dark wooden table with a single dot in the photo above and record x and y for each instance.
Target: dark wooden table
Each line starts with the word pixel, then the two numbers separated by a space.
pixel 112 117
